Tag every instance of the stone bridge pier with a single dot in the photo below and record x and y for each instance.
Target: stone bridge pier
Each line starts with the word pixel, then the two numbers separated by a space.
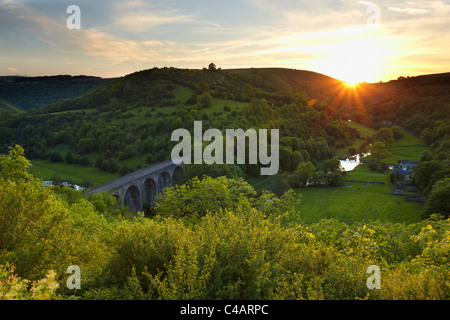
pixel 142 187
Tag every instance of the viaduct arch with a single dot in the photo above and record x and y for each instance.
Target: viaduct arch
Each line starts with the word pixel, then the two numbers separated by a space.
pixel 142 186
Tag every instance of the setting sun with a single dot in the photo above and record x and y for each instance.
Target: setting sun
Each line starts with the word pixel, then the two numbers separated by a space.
pixel 351 85
pixel 353 61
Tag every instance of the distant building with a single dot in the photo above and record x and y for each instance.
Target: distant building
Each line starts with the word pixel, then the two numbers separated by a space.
pixel 402 173
pixel 407 165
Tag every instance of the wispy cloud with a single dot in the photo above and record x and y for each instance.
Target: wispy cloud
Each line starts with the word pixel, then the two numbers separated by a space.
pixel 139 21
pixel 367 3
pixel 408 10
pixel 123 36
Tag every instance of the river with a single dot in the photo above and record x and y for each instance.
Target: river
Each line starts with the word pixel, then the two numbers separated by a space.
pixel 352 162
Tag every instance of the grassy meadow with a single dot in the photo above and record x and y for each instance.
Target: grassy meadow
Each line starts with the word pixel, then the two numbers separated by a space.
pixel 357 201
pixel 362 201
pixel 409 147
pixel 46 170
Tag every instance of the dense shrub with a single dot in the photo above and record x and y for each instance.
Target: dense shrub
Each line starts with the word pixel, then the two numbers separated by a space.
pixel 236 244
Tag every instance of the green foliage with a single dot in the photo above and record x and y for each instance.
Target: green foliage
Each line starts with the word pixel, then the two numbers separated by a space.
pixel 332 165
pixel 14 166
pixel 397 133
pixel 239 246
pixel 204 100
pixel 304 174
pixel 191 171
pixel 385 135
pixel 424 170
pixel 124 170
pixel 372 165
pixel 110 165
pixel 13 287
pixel 216 238
pixel 438 201
pixel 199 196
pixel 278 184
pixel 55 157
pixel 116 120
pixel 39 232
pixel 379 150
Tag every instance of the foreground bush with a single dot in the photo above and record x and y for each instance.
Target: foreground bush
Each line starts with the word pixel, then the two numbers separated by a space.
pixel 227 243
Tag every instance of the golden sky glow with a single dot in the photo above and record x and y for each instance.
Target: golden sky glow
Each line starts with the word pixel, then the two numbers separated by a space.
pixel 330 37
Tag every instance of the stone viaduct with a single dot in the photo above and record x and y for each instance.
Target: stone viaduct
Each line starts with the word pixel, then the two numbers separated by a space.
pixel 142 186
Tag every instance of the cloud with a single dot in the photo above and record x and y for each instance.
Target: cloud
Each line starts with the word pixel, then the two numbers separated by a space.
pixel 407 10
pixel 118 49
pixel 367 3
pixel 142 21
pixel 125 36
pixel 19 17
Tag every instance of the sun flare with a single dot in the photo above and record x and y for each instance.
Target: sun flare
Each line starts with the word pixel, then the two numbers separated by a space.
pixel 353 61
pixel 351 84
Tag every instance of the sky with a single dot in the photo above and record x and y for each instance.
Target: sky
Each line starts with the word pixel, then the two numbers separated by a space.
pixel 349 40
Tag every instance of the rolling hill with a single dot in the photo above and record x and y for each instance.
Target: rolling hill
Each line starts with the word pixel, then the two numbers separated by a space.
pixel 6 106
pixel 36 92
pixel 125 123
pixel 236 84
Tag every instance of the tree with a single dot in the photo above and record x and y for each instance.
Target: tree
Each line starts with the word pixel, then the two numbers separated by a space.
pixel 86 145
pixel 110 165
pixel 384 135
pixel 215 170
pixel 424 171
pixel 204 100
pixel 372 165
pixel 438 175
pixel 335 179
pixel 130 152
pixel 38 231
pixel 426 156
pixel 383 167
pixel 124 170
pixel 84 161
pixel 14 165
pixel 397 133
pixel 289 160
pixel 212 66
pixel 332 165
pixel 336 129
pixel 379 151
pixel 69 158
pixel 203 86
pixel 438 200
pixel 304 174
pixel 199 196
pixel 98 162
pixel 55 157
pixel 278 185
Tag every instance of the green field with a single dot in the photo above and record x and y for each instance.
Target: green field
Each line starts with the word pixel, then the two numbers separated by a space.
pixel 357 201
pixel 365 202
pixel 409 147
pixel 363 173
pixel 46 170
